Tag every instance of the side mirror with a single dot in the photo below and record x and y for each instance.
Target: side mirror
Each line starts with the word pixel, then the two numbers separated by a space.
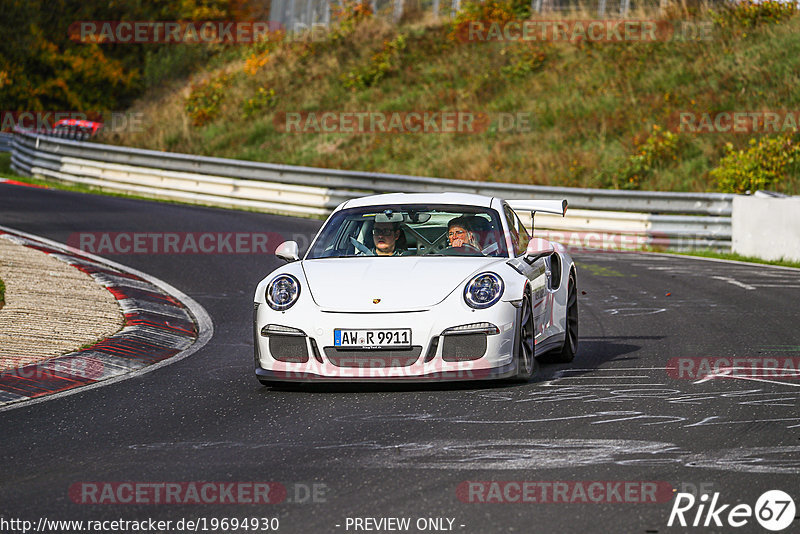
pixel 538 248
pixel 288 251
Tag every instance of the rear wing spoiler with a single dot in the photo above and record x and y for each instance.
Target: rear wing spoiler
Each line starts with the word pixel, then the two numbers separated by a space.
pixel 556 207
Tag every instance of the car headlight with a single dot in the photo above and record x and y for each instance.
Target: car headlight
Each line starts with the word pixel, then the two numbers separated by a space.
pixel 282 292
pixel 484 290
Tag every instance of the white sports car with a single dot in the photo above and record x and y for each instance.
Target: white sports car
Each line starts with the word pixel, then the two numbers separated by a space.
pixel 440 286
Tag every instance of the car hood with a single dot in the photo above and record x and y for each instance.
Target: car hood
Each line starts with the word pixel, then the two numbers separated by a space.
pixel 401 284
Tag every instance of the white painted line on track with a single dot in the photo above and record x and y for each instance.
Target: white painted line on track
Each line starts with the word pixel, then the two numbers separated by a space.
pixel 726 373
pixel 552 384
pixel 615 369
pixel 734 282
pixel 556 377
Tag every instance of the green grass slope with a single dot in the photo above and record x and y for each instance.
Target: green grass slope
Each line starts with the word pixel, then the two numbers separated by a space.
pixel 602 114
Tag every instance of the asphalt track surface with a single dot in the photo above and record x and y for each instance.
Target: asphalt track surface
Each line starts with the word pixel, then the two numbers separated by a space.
pixel 615 414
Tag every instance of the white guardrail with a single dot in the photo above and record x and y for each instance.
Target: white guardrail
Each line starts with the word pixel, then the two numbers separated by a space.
pixel 597 218
pixel 5 141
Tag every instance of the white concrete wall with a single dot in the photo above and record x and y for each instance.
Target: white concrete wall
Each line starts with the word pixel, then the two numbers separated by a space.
pixel 767 228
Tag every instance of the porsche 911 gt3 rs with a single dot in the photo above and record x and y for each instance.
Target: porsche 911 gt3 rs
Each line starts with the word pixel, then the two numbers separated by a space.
pixel 440 286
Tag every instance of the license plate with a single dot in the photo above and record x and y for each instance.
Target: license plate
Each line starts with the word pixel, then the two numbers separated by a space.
pixel 372 339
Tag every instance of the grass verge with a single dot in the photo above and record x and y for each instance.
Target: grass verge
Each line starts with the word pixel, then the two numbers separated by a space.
pixel 735 257
pixel 5 166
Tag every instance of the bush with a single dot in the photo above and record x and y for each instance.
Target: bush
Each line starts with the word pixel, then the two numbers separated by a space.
pixel 524 59
pixel 264 99
pixel 749 13
pixel 487 12
pixel 380 65
pixel 254 62
pixel 765 163
pixel 347 16
pixel 203 102
pixel 661 148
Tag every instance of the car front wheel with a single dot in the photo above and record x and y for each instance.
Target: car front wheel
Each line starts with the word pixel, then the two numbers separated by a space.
pixel 526 363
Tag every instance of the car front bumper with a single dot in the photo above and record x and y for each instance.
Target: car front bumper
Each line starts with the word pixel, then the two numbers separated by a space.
pixel 306 352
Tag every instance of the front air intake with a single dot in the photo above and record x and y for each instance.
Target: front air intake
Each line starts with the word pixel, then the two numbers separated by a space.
pixel 289 349
pixel 373 359
pixel 463 347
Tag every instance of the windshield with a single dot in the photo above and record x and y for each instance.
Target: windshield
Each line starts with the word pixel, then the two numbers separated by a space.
pixel 416 230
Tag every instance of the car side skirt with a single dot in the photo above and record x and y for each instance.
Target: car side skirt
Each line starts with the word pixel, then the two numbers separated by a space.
pixel 554 342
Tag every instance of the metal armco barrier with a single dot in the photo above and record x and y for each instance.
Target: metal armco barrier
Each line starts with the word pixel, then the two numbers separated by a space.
pixel 670 220
pixel 5 141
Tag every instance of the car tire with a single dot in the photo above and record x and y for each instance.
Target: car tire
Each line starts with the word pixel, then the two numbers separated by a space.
pixel 525 345
pixel 570 347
